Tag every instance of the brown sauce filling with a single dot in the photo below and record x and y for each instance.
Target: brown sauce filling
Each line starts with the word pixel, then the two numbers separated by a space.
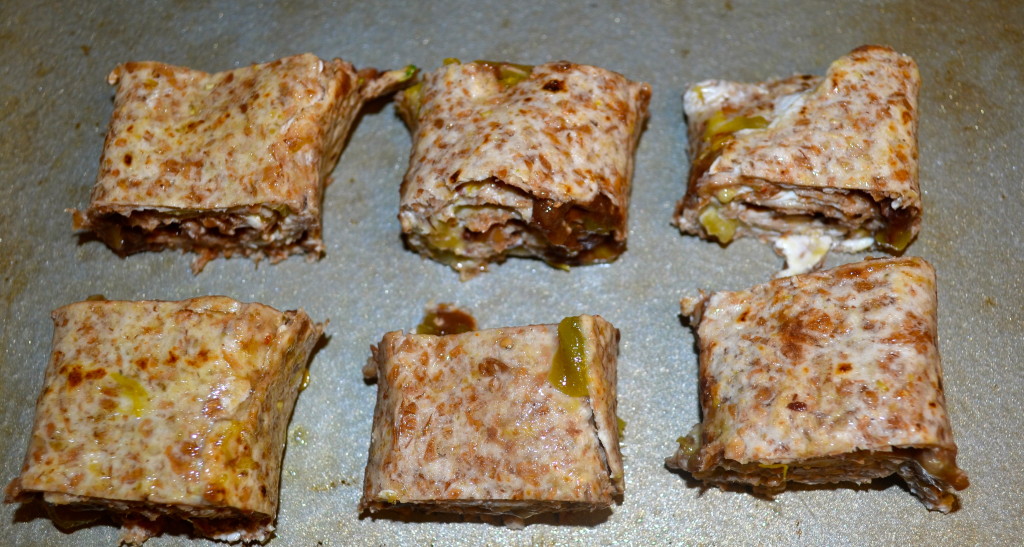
pixel 446 319
pixel 127 235
pixel 579 234
pixel 898 230
pixel 893 236
pixel 562 234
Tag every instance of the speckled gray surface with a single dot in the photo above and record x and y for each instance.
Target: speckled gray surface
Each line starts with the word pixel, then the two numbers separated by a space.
pixel 55 105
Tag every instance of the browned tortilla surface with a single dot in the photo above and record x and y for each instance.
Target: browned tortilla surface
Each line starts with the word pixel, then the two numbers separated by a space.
pixel 512 160
pixel 824 377
pixel 178 410
pixel 224 164
pixel 832 158
pixel 471 423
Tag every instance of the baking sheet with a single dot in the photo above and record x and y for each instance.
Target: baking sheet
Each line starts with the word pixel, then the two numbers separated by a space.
pixel 55 106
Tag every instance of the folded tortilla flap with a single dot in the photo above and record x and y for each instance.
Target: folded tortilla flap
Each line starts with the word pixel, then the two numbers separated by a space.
pixel 863 116
pixel 602 350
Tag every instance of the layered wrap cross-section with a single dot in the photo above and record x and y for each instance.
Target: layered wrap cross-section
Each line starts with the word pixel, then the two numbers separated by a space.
pixel 515 160
pixel 808 163
pixel 513 421
pixel 821 378
pixel 154 412
pixel 224 164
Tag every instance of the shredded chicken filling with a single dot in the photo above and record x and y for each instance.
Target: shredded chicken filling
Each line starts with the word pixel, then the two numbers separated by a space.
pixel 931 474
pixel 208 520
pixel 248 230
pixel 770 211
pixel 487 223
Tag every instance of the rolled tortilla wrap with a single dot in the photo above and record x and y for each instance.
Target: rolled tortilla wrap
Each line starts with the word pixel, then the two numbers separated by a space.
pixel 513 160
pixel 225 164
pixel 493 422
pixel 155 411
pixel 808 163
pixel 821 378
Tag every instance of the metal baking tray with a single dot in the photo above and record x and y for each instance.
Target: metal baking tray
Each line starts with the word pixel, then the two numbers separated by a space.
pixel 55 106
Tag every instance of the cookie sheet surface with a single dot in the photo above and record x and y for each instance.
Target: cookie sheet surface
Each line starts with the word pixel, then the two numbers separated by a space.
pixel 55 105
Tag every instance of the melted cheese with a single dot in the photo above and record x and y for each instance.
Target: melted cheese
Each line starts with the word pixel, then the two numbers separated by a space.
pixel 803 252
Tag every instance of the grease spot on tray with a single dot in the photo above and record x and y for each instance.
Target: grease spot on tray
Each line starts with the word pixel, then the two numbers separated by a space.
pixel 334 483
pixel 298 436
pixel 23 127
pixel 959 94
